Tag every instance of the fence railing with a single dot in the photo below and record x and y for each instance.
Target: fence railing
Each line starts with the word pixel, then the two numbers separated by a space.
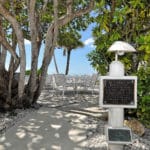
pixel 75 83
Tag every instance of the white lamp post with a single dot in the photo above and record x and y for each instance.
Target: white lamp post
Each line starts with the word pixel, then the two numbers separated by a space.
pixel 116 69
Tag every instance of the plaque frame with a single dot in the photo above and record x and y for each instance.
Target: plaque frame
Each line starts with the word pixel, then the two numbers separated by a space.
pixel 101 93
pixel 129 141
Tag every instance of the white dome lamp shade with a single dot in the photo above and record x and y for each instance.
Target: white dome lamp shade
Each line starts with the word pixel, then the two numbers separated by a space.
pixel 120 47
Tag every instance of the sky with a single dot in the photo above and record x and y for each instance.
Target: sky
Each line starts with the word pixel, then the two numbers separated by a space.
pixel 79 64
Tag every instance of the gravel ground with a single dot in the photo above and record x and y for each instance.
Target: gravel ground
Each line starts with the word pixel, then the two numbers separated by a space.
pixel 85 104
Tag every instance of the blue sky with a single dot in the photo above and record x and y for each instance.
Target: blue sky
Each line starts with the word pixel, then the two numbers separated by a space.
pixel 79 63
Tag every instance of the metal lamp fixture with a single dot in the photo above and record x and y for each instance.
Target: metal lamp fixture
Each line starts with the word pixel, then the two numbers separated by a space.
pixel 120 47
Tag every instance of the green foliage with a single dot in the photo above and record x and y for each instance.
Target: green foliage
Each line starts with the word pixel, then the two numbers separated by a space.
pixel 143 111
pixel 144 46
pixel 69 38
pixel 27 72
pixel 100 62
pixel 39 71
pixel 125 21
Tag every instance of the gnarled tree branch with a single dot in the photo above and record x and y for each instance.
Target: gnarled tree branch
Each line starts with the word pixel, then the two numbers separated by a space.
pixel 73 14
pixel 6 14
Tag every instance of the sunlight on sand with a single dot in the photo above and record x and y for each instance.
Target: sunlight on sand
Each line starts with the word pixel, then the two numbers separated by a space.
pixel 2 147
pixel 21 133
pixel 77 135
pixel 56 126
pixel 56 147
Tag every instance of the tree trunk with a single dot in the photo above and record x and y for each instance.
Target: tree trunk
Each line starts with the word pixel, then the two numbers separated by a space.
pixel 21 46
pixel 55 63
pixel 2 56
pixel 11 70
pixel 3 89
pixel 68 61
pixel 48 54
pixel 2 48
pixel 11 73
pixel 35 48
pixel 50 43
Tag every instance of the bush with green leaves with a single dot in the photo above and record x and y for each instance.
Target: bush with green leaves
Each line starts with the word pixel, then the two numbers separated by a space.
pixel 27 72
pixel 143 110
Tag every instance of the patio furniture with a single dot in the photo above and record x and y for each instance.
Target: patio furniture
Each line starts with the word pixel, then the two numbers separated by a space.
pixel 63 83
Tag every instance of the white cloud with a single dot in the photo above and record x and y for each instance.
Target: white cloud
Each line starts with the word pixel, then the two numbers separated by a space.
pixel 89 41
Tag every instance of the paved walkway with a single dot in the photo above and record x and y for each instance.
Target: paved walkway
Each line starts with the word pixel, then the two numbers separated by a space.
pixel 60 124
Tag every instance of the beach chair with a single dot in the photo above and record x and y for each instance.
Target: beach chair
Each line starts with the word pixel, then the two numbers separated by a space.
pixel 64 83
pixel 49 83
pixel 70 84
pixel 95 83
pixel 80 83
pixel 59 83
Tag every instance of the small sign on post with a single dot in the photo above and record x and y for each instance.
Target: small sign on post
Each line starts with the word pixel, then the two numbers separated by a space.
pixel 118 91
pixel 120 135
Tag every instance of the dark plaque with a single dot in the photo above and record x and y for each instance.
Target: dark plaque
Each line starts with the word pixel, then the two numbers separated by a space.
pixel 119 135
pixel 118 91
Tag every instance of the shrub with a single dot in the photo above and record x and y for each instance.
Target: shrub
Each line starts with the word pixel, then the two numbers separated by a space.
pixel 143 110
pixel 27 72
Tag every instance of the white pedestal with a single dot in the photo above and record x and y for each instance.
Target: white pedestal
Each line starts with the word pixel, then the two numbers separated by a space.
pixel 116 115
